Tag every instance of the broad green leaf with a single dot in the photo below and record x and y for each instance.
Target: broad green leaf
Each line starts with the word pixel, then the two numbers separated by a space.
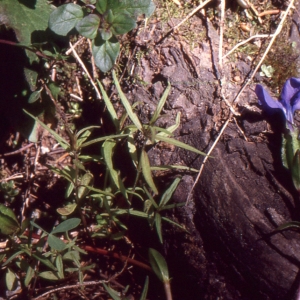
pixel 66 225
pixel 88 26
pixel 64 18
pixel 67 210
pixel 35 96
pixel 82 131
pixel 160 105
pixel 178 144
pixel 145 289
pixel 168 193
pixel 29 275
pixel 49 275
pixel 146 170
pixel 130 7
pixel 290 144
pixel 157 221
pixel 64 144
pixel 122 23
pixel 159 265
pixel 8 221
pixel 86 180
pixel 54 89
pixel 105 52
pixel 106 34
pixel 126 103
pixel 10 279
pixel 109 106
pixel 56 243
pixel 101 6
pixel 26 18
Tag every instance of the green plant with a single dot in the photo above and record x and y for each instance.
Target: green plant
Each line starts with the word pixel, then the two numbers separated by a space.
pixel 100 23
pixel 23 254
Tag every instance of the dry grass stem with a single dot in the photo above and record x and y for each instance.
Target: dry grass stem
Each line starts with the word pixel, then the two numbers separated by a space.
pixel 85 70
pixel 257 36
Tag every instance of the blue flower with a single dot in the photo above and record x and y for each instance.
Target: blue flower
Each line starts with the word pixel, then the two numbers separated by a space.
pixel 288 103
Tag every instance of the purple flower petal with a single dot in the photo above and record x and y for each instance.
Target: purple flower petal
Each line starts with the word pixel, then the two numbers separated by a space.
pixel 295 102
pixel 267 102
pixel 290 89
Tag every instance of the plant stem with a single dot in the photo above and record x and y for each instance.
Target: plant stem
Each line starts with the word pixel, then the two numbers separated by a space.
pixel 168 292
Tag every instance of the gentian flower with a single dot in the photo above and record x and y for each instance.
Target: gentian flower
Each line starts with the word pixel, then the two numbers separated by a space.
pixel 289 100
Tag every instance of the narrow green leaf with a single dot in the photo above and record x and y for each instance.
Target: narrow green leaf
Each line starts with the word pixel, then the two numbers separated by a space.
pixel 69 189
pixel 168 193
pixel 159 265
pixel 157 220
pixel 86 180
pixel 146 170
pixel 292 224
pixel 173 167
pixel 178 144
pixel 132 149
pixel 296 170
pixel 10 279
pixel 66 225
pixel 29 275
pixel 107 150
pixel 145 289
pixel 160 104
pixel 56 243
pixel 101 192
pixel 172 128
pixel 104 138
pixel 109 106
pixel 64 18
pixel 13 257
pixel 64 144
pixel 114 294
pixel 59 266
pixel 126 104
pixel 44 260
